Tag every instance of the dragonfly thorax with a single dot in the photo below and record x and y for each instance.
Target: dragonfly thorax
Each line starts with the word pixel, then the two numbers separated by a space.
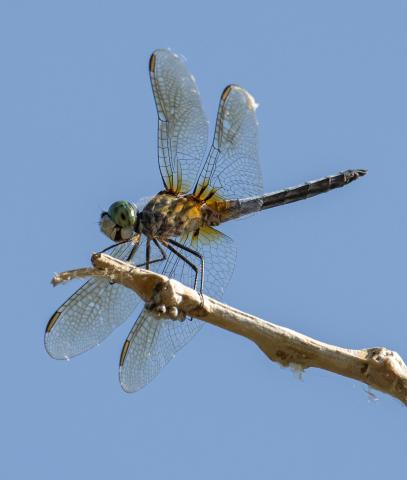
pixel 169 215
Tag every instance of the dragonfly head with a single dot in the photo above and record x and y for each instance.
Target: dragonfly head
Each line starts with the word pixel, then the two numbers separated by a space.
pixel 120 221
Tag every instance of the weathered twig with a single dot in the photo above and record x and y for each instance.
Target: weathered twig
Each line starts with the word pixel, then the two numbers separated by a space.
pixel 380 368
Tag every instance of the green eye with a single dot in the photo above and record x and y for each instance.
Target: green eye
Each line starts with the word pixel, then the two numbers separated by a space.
pixel 123 213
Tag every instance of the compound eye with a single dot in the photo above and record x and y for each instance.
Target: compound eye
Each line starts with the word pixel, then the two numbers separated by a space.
pixel 123 214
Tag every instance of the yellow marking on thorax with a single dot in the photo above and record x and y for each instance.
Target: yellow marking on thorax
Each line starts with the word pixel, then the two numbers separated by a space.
pixel 179 206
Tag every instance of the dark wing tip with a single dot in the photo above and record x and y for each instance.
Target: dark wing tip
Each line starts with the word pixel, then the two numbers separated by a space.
pixel 52 321
pixel 232 86
pixel 123 353
pixel 226 92
pixel 160 52
pixel 151 63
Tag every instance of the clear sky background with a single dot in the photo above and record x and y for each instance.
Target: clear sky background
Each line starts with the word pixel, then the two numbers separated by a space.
pixel 78 131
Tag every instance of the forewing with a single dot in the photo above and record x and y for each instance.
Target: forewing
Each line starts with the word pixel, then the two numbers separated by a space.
pixel 182 126
pixel 232 168
pixel 152 342
pixel 92 312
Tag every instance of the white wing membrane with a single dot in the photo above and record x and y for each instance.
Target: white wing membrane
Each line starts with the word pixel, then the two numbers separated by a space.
pixel 92 312
pixel 182 126
pixel 152 342
pixel 149 347
pixel 232 166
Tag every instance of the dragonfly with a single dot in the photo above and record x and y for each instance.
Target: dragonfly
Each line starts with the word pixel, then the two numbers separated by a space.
pixel 176 232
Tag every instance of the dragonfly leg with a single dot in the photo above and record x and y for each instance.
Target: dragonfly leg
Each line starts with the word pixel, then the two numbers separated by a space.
pixel 148 253
pixel 156 260
pixel 201 259
pixel 196 254
pixel 134 249
pixel 136 240
pixel 187 261
pixel 132 253
pixel 112 246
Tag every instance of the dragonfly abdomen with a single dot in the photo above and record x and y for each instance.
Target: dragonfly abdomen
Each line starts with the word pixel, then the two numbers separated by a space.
pixel 230 209
pixel 310 189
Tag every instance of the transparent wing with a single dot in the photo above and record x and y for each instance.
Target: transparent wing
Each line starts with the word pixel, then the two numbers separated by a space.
pixel 182 126
pixel 92 312
pixel 232 168
pixel 152 343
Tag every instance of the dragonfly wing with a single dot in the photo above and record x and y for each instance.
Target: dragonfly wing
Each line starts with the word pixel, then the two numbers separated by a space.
pixel 182 126
pixel 232 167
pixel 92 312
pixel 148 348
pixel 153 342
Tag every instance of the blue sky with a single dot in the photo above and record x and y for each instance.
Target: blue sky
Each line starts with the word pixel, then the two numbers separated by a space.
pixel 78 130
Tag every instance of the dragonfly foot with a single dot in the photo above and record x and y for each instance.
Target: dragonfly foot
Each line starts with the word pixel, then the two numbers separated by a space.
pixel 201 305
pixel 162 312
pixel 164 302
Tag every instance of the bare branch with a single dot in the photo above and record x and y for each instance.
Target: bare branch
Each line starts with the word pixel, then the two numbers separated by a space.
pixel 380 368
pixel 78 273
